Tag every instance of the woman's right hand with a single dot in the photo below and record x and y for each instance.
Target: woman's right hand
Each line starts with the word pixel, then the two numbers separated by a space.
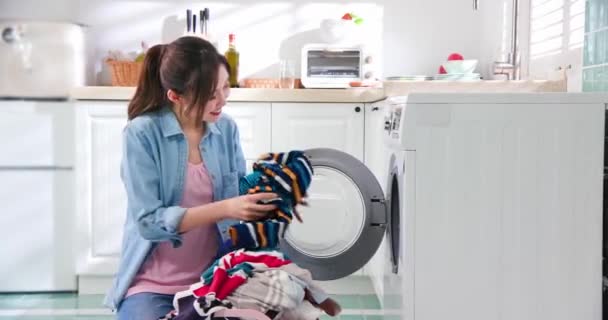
pixel 246 207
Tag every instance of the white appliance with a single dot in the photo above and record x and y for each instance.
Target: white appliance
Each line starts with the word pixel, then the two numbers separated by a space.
pixel 335 66
pixel 41 62
pixel 40 59
pixel 37 195
pixel 492 210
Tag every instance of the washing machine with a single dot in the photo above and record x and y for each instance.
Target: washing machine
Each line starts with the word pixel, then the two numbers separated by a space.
pixel 492 208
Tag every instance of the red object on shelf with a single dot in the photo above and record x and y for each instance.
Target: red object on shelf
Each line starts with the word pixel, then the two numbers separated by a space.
pixel 442 70
pixel 347 16
pixel 455 56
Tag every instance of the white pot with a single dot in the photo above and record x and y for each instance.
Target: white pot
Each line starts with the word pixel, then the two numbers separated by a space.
pixel 40 59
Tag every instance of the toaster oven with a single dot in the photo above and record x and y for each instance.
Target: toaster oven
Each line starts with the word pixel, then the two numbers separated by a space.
pixel 330 66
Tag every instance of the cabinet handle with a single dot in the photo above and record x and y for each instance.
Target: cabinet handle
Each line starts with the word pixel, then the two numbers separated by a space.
pixel 357 109
pixel 375 108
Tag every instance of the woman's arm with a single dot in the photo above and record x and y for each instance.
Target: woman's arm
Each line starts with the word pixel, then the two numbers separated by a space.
pixel 244 207
pixel 142 181
pixel 241 164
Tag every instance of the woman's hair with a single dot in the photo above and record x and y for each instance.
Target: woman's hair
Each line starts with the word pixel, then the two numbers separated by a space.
pixel 189 66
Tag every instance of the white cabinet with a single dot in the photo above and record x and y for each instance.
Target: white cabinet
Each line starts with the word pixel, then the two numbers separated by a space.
pixel 253 121
pixel 37 195
pixel 318 125
pixel 101 203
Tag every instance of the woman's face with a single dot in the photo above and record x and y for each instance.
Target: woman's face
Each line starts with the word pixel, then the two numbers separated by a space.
pixel 213 109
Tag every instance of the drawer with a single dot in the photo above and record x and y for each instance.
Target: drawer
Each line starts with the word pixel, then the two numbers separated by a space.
pixel 36 134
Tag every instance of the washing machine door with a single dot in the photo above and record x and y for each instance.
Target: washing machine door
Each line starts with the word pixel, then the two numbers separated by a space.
pixel 345 220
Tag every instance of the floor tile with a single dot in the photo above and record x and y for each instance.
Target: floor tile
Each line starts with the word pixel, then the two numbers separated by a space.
pixel 67 306
pixel 10 301
pixel 348 301
pixel 90 301
pixel 370 302
pixel 51 301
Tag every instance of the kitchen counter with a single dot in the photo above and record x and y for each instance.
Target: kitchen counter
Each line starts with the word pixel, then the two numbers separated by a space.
pixel 362 95
pixel 399 88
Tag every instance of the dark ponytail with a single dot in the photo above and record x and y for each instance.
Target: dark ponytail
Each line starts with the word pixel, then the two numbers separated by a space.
pixel 149 94
pixel 189 66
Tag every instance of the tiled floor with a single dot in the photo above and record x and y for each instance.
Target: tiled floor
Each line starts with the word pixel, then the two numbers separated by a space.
pixel 70 306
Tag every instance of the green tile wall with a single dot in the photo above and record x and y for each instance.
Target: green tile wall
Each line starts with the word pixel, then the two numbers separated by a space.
pixel 595 57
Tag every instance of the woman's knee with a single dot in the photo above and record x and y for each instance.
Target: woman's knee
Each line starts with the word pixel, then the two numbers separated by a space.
pixel 145 306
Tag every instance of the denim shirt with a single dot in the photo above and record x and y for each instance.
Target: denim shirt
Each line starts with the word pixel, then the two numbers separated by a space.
pixel 153 169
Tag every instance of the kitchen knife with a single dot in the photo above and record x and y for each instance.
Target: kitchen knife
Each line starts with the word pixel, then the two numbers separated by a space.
pixel 188 19
pixel 201 17
pixel 206 13
pixel 193 23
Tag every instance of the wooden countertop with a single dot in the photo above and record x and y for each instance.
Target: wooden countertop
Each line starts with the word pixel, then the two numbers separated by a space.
pixel 352 95
pixel 252 95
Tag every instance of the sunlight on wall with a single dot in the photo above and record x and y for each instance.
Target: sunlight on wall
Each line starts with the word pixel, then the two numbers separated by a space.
pixel 556 27
pixel 266 32
pixel 547 28
pixel 577 24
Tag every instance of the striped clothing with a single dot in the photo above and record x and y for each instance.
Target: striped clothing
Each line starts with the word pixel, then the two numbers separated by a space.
pixel 287 174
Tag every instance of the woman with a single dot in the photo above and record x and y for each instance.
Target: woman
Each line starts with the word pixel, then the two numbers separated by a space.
pixel 181 163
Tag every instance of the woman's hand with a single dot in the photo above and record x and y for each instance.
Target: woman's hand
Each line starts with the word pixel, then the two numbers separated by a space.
pixel 247 208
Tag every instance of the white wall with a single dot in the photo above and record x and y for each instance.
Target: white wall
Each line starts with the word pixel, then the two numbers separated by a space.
pixel 266 31
pixel 52 10
pixel 420 34
pixel 409 37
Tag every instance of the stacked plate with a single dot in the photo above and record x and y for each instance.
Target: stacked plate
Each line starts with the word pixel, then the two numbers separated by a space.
pixel 410 78
pixel 458 76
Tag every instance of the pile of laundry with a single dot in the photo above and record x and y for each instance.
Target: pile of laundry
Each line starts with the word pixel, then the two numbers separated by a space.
pixel 255 274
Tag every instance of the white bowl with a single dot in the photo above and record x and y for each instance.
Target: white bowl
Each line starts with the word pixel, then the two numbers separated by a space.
pixel 460 66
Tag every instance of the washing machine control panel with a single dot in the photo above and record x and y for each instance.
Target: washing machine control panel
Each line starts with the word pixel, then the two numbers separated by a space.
pixel 393 122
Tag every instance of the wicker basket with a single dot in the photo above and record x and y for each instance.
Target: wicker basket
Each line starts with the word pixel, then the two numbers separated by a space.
pixel 265 83
pixel 124 73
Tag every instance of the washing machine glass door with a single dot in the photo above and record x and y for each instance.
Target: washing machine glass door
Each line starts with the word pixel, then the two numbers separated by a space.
pixel 344 221
pixel 394 209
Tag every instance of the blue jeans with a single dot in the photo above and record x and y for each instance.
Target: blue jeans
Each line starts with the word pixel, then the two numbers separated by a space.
pixel 145 306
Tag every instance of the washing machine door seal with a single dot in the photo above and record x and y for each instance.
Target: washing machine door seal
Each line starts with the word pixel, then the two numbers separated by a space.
pixel 345 220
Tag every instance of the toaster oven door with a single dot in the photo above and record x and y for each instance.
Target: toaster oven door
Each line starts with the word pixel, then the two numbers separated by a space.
pixel 332 67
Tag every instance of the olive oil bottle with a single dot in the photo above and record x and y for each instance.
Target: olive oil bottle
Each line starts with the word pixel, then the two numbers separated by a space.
pixel 232 55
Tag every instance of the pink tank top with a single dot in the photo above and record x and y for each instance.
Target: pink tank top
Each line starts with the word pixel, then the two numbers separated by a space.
pixel 169 270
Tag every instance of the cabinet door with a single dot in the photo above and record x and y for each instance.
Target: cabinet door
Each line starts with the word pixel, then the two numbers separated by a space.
pixel 377 160
pixel 101 203
pixel 318 125
pixel 37 217
pixel 376 151
pixel 253 121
